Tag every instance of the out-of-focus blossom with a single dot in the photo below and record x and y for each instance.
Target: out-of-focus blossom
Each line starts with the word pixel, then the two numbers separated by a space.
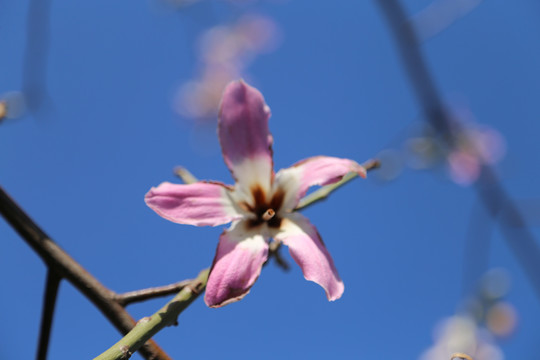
pixel 225 52
pixel 472 147
pixel 12 105
pixel 484 318
pixel 494 285
pixel 460 334
pixel 260 205
pixel 501 319
pixel 3 110
pixel 423 151
pixel 439 15
pixel 475 147
pixel 391 164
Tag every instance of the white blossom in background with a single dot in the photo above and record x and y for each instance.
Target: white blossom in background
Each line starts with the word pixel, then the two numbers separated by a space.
pixel 12 105
pixel 224 53
pixel 460 334
pixel 440 15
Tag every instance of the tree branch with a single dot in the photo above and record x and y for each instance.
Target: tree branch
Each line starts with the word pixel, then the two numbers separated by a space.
pixel 35 54
pixel 49 301
pixel 59 261
pixel 149 326
pixel 150 293
pixel 488 187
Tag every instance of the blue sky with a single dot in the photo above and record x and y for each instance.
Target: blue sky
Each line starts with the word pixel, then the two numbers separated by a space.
pixel 107 132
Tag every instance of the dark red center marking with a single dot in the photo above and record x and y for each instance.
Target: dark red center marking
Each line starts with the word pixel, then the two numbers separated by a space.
pixel 262 209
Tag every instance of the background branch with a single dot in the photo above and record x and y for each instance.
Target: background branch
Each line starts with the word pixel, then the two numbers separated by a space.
pixel 488 187
pixel 35 54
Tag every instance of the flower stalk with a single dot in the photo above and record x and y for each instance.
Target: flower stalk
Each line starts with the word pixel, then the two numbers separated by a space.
pixel 149 326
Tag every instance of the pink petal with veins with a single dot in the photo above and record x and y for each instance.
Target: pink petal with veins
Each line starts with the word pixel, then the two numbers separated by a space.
pixel 243 131
pixel 309 252
pixel 197 204
pixel 237 265
pixel 317 170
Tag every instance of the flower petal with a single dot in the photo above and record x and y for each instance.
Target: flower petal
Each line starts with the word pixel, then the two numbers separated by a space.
pixel 239 258
pixel 317 170
pixel 309 252
pixel 244 135
pixel 200 204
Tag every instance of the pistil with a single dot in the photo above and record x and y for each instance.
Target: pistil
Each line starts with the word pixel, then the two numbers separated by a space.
pixel 268 214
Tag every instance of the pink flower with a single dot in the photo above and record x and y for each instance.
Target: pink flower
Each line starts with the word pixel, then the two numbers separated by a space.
pixel 260 205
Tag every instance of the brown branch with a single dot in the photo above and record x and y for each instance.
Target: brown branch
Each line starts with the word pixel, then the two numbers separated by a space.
pixel 489 189
pixel 49 301
pixel 150 293
pixel 151 325
pixel 59 261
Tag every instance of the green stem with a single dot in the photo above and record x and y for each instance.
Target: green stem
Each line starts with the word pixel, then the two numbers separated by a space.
pixel 149 326
pixel 323 192
pixel 184 174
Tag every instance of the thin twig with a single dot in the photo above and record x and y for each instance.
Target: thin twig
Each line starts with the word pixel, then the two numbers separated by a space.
pixel 49 301
pixel 149 326
pixel 488 187
pixel 150 293
pixel 184 174
pixel 59 261
pixel 323 192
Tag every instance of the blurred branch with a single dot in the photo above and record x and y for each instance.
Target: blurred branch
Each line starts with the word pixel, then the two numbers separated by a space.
pixel 35 55
pixel 64 266
pixel 489 189
pixel 49 302
pixel 419 76
pixel 477 245
pixel 324 191
pixel 149 326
